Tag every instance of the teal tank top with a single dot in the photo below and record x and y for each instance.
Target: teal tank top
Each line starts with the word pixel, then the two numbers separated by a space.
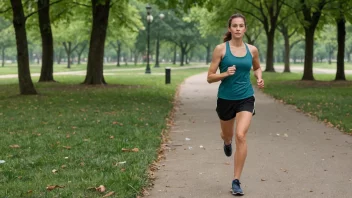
pixel 237 86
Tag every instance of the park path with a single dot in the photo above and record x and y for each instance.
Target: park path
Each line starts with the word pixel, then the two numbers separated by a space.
pixel 140 71
pixel 289 153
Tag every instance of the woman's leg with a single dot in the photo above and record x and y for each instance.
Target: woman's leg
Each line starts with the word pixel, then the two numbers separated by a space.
pixel 227 130
pixel 243 120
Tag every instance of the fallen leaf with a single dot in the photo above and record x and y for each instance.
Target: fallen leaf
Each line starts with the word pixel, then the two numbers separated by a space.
pixel 67 147
pixel 145 192
pixel 54 171
pixel 111 137
pixel 30 191
pixel 125 150
pixel 135 150
pixel 123 169
pixel 15 146
pixel 109 194
pixel 101 188
pixel 263 179
pixel 50 188
pixel 227 163
pixel 63 166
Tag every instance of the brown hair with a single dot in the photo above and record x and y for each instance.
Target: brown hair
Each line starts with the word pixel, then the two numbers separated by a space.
pixel 227 35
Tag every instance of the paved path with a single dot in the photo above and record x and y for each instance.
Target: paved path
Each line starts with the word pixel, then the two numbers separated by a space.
pixel 295 155
pixel 140 71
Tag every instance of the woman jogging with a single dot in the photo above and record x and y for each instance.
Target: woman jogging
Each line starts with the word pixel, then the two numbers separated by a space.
pixel 236 99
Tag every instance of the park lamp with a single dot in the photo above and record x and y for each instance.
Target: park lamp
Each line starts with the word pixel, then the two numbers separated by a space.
pixel 149 16
pixel 161 16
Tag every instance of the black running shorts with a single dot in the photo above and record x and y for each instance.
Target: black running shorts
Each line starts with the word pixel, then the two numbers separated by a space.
pixel 227 109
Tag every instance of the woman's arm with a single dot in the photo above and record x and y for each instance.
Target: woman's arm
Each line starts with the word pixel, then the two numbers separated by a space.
pixel 214 65
pixel 256 67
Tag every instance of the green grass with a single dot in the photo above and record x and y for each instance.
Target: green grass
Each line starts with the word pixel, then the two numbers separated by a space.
pixel 329 101
pixel 69 127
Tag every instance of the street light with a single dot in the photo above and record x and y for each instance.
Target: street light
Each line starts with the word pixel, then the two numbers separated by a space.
pixel 149 20
pixel 161 16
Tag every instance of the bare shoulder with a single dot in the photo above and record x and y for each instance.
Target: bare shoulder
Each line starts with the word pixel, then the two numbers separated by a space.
pixel 220 49
pixel 253 49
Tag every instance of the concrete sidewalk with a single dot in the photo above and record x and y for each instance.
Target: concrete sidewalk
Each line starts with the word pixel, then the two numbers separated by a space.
pixel 289 154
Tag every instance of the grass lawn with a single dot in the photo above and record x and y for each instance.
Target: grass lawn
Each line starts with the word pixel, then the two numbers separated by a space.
pixel 73 136
pixel 328 100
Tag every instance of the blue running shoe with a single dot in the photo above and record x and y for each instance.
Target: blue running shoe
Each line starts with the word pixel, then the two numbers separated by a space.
pixel 228 150
pixel 236 188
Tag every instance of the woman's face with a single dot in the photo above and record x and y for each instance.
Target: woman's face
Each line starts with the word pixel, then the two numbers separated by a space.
pixel 237 28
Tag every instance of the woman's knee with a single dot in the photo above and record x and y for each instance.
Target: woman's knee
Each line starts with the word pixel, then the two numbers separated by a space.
pixel 240 137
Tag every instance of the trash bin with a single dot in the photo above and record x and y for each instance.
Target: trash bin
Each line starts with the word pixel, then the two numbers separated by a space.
pixel 167 75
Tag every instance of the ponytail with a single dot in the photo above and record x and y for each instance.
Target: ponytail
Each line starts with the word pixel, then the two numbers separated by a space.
pixel 227 36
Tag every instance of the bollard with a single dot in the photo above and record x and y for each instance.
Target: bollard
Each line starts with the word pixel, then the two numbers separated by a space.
pixel 167 75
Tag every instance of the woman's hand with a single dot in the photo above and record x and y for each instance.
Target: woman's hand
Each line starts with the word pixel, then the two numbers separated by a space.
pixel 231 70
pixel 260 83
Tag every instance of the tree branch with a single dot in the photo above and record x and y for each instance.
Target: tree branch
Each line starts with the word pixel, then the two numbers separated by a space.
pixel 81 4
pixel 294 32
pixel 252 4
pixel 295 42
pixel 6 10
pixel 30 14
pixel 250 13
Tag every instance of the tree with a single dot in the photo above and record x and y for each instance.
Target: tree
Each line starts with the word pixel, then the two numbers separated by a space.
pixel 5 40
pixel 329 40
pixel 288 29
pixel 310 13
pixel 125 29
pixel 100 11
pixel 19 23
pixel 47 70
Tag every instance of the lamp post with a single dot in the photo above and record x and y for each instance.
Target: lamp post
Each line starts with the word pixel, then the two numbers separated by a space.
pixel 161 16
pixel 149 20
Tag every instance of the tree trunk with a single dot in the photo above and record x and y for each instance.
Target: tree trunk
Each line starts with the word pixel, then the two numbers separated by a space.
pixel 175 52
pixel 330 56
pixel 183 51
pixel 270 52
pixel 47 70
pixel 118 53
pixel 97 42
pixel 19 23
pixel 3 56
pixel 341 34
pixel 80 52
pixel 207 61
pixel 59 56
pixel 308 58
pixel 135 58
pixel 348 54
pixel 287 53
pixel 68 53
pixel 157 51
